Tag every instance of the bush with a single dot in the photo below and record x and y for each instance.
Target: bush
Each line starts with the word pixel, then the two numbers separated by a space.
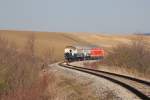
pixel 135 55
pixel 19 72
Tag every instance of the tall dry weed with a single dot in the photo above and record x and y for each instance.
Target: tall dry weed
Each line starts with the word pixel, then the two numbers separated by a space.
pixel 135 55
pixel 19 72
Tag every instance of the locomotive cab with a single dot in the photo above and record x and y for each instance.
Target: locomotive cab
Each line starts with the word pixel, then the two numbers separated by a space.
pixel 70 53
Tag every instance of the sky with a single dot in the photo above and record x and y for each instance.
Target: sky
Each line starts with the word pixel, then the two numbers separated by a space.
pixel 109 16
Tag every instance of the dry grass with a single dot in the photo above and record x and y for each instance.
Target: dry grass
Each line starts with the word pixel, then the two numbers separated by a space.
pixel 44 41
pixel 21 77
pixel 127 58
pixel 132 58
pixel 70 88
pixel 58 40
pixel 19 72
pixel 21 61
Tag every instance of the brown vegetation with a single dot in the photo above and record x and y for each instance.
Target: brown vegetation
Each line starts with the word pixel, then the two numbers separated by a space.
pixel 21 77
pixel 73 88
pixel 44 41
pixel 19 72
pixel 134 56
pixel 59 40
pixel 21 62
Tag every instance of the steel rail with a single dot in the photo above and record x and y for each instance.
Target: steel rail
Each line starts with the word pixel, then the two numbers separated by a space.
pixel 114 74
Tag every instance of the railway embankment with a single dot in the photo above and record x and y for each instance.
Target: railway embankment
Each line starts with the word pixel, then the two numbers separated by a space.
pixel 112 69
pixel 140 87
pixel 98 87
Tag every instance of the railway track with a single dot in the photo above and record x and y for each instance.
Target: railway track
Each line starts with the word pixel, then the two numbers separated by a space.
pixel 140 88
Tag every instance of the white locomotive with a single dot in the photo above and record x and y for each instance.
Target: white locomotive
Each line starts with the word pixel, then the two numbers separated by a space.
pixel 74 53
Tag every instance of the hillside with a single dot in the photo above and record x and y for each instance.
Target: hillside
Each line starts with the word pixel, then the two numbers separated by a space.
pixel 44 40
pixel 24 75
pixel 56 41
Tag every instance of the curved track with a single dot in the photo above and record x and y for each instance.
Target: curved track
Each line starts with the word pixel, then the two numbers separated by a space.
pixel 139 87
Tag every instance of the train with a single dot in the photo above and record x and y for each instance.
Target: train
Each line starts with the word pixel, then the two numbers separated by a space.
pixel 80 53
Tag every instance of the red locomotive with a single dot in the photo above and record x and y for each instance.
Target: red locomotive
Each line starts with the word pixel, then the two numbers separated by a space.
pixel 97 52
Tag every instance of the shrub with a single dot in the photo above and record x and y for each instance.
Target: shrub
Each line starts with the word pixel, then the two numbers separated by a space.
pixel 19 72
pixel 135 55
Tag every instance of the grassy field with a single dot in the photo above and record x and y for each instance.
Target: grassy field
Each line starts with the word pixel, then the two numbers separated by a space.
pixel 56 41
pixel 20 66
pixel 23 54
pixel 44 41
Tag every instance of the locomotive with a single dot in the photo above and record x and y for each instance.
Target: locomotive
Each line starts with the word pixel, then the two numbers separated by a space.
pixel 80 53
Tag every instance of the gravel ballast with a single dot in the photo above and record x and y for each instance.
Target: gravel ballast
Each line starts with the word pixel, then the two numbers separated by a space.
pixel 99 85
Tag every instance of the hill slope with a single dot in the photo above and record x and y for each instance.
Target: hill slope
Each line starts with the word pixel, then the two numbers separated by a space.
pixel 58 40
pixel 44 40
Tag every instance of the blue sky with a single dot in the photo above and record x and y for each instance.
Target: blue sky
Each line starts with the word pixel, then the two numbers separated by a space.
pixel 110 16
